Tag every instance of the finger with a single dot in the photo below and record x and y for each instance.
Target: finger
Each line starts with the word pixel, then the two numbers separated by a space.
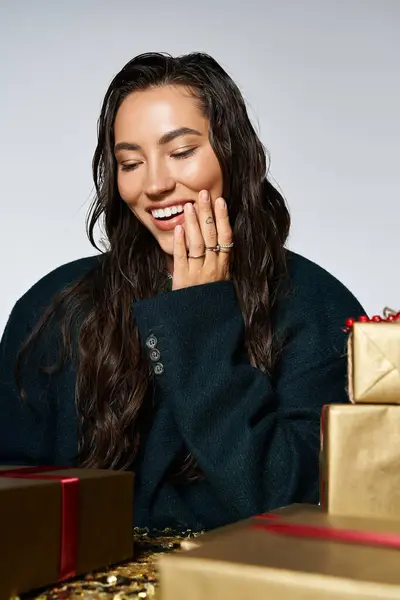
pixel 180 252
pixel 224 229
pixel 206 219
pixel 194 237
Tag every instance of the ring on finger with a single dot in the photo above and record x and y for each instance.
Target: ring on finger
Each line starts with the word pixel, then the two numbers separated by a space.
pixel 213 248
pixel 225 251
pixel 226 245
pixel 198 256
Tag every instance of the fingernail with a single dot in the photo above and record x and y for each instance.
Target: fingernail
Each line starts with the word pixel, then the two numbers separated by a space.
pixel 221 203
pixel 205 196
pixel 189 208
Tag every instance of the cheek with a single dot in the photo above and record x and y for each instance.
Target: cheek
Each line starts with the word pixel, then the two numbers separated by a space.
pixel 204 173
pixel 128 188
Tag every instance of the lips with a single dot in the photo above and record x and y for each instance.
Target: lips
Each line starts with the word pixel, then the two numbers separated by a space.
pixel 169 224
pixel 172 220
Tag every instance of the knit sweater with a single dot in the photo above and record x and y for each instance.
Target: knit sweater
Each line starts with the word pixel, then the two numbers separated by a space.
pixel 255 438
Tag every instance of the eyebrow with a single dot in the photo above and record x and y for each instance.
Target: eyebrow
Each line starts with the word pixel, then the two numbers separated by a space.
pixel 165 139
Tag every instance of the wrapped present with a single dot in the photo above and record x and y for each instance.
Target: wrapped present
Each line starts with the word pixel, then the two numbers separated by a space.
pixel 374 359
pixel 360 458
pixel 59 523
pixel 306 555
pixel 199 540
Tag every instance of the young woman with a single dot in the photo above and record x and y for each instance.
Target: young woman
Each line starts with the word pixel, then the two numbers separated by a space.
pixel 196 350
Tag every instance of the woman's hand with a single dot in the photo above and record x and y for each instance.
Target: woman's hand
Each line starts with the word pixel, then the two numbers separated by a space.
pixel 205 254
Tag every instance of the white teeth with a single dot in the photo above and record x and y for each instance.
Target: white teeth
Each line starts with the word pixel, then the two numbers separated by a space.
pixel 159 213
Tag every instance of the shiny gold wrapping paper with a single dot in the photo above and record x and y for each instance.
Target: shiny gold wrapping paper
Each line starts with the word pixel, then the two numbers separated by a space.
pixel 374 363
pixel 192 542
pixel 360 460
pixel 247 563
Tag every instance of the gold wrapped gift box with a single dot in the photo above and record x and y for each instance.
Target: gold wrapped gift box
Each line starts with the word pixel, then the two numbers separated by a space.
pixel 285 511
pixel 295 556
pixel 374 363
pixel 360 460
pixel 59 523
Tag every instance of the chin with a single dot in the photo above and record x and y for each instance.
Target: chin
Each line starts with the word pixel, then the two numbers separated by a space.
pixel 167 246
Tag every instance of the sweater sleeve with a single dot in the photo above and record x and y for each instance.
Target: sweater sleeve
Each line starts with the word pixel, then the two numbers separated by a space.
pixel 26 426
pixel 255 439
pixel 41 430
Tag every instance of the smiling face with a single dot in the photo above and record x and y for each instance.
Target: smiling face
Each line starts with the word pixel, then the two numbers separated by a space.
pixel 164 158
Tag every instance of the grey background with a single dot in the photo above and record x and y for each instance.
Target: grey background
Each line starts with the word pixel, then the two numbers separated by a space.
pixel 322 79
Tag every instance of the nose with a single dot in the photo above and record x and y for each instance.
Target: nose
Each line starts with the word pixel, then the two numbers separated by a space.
pixel 159 180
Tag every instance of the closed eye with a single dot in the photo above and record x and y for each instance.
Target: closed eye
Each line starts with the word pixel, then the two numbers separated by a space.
pixel 177 155
pixel 129 167
pixel 184 154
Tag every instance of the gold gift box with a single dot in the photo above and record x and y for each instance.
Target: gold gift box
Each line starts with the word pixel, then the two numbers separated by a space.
pixel 360 460
pixel 32 526
pixel 209 536
pixel 259 562
pixel 374 363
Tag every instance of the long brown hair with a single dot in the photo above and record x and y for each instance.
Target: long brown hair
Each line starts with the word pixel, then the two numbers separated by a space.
pixel 94 314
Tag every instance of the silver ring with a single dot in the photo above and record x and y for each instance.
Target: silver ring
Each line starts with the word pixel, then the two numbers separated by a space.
pixel 214 248
pixel 226 245
pixel 199 256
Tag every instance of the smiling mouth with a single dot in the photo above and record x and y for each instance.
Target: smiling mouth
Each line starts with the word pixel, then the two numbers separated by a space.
pixel 165 214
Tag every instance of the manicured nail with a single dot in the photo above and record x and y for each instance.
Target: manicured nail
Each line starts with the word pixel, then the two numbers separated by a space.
pixel 179 231
pixel 189 208
pixel 205 196
pixel 221 203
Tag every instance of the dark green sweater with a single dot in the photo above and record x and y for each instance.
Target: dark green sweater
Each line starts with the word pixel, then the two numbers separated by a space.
pixel 256 440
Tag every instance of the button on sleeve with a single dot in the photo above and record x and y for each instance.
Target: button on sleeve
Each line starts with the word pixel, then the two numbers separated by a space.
pixel 151 341
pixel 154 355
pixel 158 368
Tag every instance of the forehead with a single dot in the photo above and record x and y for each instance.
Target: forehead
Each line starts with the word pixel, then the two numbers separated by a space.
pixel 157 111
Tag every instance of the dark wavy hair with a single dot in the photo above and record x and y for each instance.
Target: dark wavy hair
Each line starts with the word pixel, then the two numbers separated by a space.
pixel 114 385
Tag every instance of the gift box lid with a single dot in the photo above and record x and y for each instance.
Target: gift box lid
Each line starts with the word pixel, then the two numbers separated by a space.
pixel 254 562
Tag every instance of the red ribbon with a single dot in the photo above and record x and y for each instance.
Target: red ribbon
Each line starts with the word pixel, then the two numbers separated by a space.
pixel 69 513
pixel 329 533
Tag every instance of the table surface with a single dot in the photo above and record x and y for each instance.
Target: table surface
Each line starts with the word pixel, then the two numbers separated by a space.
pixel 136 580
